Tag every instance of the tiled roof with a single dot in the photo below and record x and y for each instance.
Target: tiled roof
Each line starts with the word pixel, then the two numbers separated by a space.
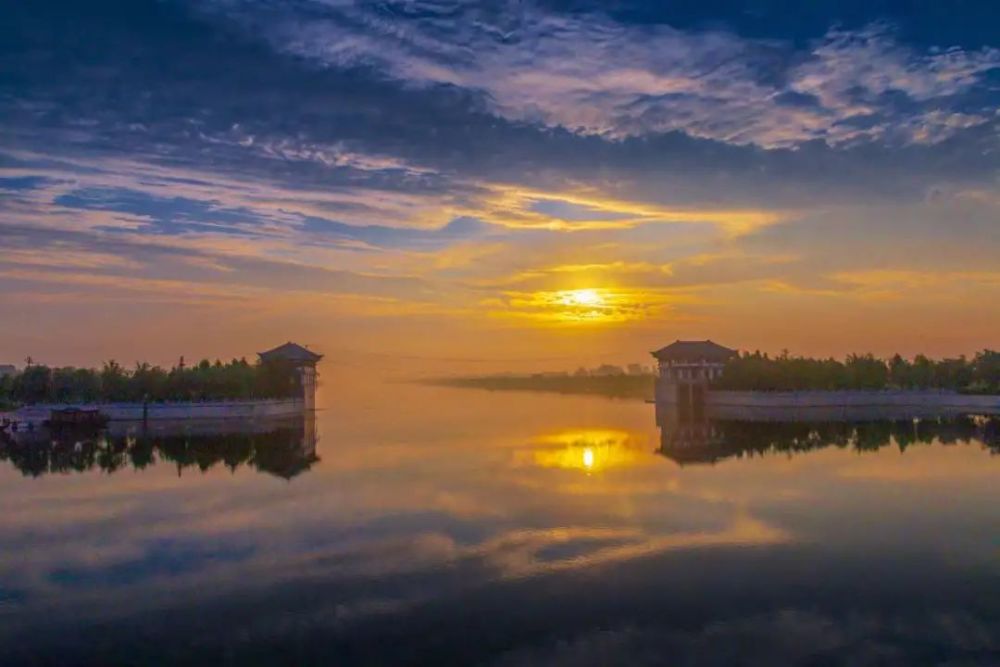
pixel 694 350
pixel 290 352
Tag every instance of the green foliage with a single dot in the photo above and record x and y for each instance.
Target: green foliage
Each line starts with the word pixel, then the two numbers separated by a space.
pixel 114 383
pixel 6 392
pixel 32 385
pixel 760 372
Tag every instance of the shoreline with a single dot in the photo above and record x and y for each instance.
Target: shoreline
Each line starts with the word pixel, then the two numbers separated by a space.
pixel 248 409
pixel 919 401
pixel 857 398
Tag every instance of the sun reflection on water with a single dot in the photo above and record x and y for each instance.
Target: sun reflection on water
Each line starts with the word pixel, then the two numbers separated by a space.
pixel 587 450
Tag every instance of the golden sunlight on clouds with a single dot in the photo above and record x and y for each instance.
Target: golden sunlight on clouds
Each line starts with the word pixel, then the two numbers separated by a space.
pixel 580 306
pixel 516 207
pixel 582 297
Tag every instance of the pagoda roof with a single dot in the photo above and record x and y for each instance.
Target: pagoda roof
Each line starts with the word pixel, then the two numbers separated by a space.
pixel 290 352
pixel 694 350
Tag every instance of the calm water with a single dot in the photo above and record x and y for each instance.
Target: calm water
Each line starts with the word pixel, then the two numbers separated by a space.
pixel 446 526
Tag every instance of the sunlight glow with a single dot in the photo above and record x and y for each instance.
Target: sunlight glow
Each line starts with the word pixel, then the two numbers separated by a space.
pixel 582 297
pixel 587 450
pixel 591 305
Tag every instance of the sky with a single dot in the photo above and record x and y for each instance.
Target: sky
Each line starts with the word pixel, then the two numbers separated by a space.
pixel 496 185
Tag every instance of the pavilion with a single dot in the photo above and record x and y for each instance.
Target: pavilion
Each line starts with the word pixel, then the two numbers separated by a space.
pixel 685 369
pixel 301 359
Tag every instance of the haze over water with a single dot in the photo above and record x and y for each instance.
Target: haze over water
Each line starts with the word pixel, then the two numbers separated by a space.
pixel 444 525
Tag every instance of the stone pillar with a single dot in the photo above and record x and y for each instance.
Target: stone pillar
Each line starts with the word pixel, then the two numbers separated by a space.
pixel 307 378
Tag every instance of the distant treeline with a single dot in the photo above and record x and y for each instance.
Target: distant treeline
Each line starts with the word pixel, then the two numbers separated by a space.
pixel 614 386
pixel 237 379
pixel 760 372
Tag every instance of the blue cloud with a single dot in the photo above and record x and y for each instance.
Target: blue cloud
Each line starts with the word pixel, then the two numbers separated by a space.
pixel 22 183
pixel 183 215
pixel 565 210
pixel 161 558
pixel 424 113
pixel 166 215
pixel 289 123
pixel 458 229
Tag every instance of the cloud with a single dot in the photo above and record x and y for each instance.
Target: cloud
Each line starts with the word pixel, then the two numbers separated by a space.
pixel 471 158
pixel 176 215
pixel 592 75
pixel 596 306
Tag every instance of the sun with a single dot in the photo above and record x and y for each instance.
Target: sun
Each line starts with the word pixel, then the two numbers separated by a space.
pixel 591 305
pixel 582 297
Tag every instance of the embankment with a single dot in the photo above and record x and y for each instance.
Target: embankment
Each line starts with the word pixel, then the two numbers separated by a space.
pixel 251 409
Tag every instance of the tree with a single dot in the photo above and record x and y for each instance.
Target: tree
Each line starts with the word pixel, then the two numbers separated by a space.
pixel 33 384
pixel 114 382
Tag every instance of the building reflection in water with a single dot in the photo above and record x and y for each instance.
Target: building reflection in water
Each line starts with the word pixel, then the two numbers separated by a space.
pixel 690 438
pixel 285 448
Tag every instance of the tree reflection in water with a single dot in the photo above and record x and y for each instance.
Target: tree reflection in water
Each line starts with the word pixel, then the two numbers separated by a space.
pixel 693 441
pixel 285 449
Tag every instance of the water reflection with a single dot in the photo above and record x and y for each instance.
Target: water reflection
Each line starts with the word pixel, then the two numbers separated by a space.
pixel 285 448
pixel 589 450
pixel 452 527
pixel 694 441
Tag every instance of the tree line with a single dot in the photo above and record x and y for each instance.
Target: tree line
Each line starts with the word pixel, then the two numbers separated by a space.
pixel 757 371
pixel 112 383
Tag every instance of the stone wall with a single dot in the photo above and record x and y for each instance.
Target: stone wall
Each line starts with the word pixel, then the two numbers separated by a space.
pixel 854 404
pixel 255 409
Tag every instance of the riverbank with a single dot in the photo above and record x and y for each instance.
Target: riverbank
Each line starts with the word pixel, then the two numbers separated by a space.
pixel 852 398
pixel 642 387
pixel 814 405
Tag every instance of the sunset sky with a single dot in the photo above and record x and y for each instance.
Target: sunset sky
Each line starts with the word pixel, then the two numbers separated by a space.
pixel 502 184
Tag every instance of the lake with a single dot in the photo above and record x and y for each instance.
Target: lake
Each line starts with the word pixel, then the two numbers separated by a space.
pixel 415 524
